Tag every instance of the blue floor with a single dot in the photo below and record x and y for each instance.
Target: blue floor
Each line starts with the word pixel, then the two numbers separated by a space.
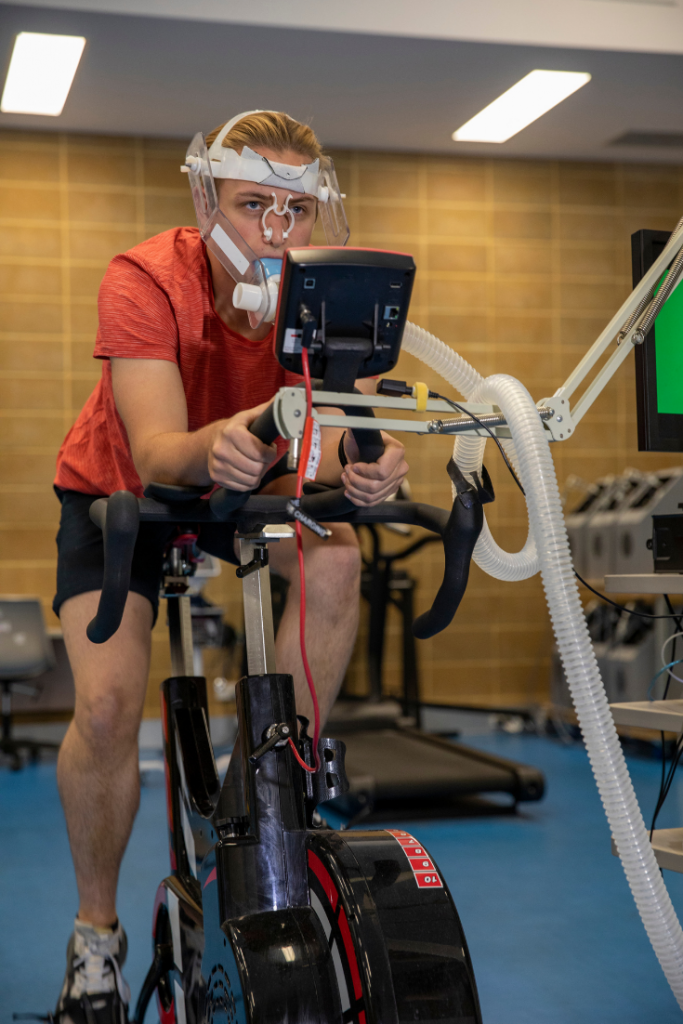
pixel 553 932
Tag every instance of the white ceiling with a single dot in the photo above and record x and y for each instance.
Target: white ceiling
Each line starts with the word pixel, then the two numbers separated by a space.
pixel 389 83
pixel 649 26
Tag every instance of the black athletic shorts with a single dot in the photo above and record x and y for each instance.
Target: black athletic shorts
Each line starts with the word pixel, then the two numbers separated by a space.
pixel 80 549
pixel 80 553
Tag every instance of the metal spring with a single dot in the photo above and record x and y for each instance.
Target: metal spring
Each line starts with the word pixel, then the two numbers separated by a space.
pixel 658 301
pixel 634 317
pixel 650 304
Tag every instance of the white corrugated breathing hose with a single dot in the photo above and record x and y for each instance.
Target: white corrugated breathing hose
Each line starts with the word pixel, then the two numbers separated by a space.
pixel 468 452
pixel 537 472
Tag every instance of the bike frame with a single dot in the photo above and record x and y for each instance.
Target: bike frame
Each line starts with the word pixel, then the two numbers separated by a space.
pixel 250 872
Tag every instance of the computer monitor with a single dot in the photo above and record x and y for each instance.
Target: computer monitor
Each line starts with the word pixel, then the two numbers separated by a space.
pixel 659 360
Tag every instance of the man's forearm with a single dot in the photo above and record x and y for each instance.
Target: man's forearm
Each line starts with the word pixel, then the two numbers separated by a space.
pixel 176 458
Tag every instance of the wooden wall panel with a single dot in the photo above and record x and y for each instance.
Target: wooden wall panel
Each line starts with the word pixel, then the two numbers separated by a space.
pixel 520 263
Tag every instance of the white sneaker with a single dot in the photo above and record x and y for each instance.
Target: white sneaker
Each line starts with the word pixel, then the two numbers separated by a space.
pixel 94 990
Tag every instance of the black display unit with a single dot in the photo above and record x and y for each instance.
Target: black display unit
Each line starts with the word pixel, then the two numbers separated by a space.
pixel 347 306
pixel 658 430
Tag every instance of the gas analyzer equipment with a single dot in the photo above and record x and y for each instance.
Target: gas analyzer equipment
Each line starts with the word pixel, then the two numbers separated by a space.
pixel 257 279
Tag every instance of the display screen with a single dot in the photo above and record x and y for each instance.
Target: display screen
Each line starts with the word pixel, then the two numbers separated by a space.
pixel 669 354
pixel 659 360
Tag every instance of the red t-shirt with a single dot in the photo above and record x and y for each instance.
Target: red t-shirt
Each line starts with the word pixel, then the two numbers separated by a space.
pixel 156 302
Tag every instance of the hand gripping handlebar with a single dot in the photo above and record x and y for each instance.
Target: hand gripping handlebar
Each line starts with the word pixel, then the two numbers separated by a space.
pixel 119 518
pixel 370 446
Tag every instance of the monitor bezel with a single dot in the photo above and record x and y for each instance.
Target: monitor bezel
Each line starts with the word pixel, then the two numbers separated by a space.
pixel 655 429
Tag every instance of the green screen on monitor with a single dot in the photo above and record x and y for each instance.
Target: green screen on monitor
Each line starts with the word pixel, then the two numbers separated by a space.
pixel 659 360
pixel 669 353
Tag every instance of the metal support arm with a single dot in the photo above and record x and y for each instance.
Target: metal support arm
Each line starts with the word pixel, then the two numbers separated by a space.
pixel 290 415
pixel 627 328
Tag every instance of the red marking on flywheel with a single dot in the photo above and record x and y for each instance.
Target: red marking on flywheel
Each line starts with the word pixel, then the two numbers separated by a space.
pixel 323 876
pixel 350 953
pixel 424 872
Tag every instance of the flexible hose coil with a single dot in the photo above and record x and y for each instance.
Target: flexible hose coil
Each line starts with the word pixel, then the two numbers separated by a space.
pixel 468 452
pixel 547 548
pixel 581 669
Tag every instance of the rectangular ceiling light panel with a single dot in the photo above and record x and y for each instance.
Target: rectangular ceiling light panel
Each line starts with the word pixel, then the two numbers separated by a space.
pixel 40 73
pixel 531 97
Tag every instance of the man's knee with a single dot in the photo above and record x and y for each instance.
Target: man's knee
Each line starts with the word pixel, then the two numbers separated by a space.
pixel 336 564
pixel 330 564
pixel 110 679
pixel 108 716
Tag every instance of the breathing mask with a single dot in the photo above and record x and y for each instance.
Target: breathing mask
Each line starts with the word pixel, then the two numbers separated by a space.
pixel 257 279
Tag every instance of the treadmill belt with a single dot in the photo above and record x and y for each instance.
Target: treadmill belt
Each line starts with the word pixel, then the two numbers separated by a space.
pixel 398 766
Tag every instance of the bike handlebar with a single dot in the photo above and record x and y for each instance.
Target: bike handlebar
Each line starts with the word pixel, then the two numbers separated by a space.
pixel 459 536
pixel 119 518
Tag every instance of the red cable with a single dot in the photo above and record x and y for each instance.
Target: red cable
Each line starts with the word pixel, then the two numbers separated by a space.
pixel 299 758
pixel 302 582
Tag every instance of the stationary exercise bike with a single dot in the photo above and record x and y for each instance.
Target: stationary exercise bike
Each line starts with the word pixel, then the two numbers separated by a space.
pixel 268 917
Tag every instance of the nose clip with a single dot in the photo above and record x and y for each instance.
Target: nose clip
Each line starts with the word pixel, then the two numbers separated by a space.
pixel 268 232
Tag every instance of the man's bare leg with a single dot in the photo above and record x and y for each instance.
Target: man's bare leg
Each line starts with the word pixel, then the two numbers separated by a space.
pixel 332 602
pixel 97 771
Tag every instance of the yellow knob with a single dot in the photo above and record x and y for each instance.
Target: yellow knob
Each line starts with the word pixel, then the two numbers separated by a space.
pixel 421 395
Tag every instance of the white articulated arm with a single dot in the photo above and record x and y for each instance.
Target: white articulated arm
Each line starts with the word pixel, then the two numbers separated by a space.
pixel 628 327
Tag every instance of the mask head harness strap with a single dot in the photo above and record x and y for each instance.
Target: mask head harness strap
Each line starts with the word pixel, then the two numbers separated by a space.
pixel 250 166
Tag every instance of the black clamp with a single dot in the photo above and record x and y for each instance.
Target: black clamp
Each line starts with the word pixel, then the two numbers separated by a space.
pixel 468 493
pixel 259 561
pixel 275 735
pixel 330 780
pixel 294 509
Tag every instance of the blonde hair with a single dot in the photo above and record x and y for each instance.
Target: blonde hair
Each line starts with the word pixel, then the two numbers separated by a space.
pixel 273 130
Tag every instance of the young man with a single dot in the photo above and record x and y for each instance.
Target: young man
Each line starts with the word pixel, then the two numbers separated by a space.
pixel 183 377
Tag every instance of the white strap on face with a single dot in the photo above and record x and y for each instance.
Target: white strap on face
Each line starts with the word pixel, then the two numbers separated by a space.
pixel 251 166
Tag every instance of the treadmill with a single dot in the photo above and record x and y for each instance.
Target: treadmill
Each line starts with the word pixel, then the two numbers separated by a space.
pixel 395 767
